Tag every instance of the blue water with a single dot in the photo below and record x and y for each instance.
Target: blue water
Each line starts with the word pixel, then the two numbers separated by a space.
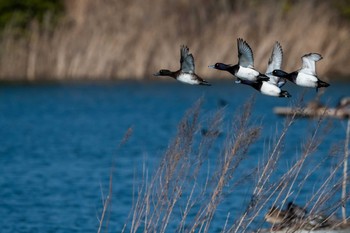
pixel 58 142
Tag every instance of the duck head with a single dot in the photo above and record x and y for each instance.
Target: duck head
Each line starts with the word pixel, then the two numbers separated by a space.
pixel 220 66
pixel 280 73
pixel 163 73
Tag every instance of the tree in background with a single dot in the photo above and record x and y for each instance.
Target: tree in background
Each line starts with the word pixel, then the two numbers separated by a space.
pixel 19 13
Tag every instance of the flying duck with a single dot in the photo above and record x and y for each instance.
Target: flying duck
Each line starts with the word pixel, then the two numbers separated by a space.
pixel 266 88
pixel 244 70
pixel 306 76
pixel 186 73
pixel 271 87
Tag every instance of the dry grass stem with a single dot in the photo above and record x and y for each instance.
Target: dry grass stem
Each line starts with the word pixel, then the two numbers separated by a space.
pixel 177 196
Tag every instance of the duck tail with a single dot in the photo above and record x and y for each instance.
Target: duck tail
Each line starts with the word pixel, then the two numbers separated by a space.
pixel 205 83
pixel 263 77
pixel 322 84
pixel 285 94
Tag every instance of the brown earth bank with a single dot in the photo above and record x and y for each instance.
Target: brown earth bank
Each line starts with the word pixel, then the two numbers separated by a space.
pixel 112 39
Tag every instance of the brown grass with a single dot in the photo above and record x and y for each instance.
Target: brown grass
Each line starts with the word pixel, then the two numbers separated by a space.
pixel 182 192
pixel 122 39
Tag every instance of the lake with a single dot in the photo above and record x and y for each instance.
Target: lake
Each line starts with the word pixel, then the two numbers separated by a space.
pixel 58 142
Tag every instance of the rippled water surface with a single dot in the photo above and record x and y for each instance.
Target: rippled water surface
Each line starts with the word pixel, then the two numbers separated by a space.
pixel 58 142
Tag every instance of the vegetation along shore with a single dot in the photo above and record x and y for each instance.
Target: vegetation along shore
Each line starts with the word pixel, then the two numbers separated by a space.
pixel 87 39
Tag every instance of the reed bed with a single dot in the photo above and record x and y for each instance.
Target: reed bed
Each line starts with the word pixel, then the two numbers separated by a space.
pixel 184 193
pixel 132 39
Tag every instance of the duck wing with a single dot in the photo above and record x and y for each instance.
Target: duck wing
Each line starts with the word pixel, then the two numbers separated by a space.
pixel 275 63
pixel 309 63
pixel 186 60
pixel 245 54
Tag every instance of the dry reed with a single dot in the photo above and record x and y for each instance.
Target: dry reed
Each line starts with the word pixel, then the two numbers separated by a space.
pixel 178 196
pixel 106 201
pixel 132 39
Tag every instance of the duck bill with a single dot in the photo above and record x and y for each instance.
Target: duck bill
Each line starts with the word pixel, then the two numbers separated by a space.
pixel 156 74
pixel 212 66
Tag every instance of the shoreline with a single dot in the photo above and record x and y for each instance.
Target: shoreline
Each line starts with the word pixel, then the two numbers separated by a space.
pixel 70 80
